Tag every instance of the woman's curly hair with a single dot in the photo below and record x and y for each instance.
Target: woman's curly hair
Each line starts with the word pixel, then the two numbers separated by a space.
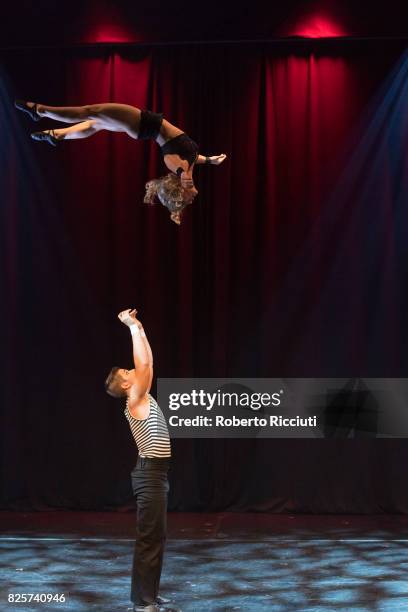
pixel 168 190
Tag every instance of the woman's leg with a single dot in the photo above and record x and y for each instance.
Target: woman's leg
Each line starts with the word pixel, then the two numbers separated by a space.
pixel 110 116
pixel 79 130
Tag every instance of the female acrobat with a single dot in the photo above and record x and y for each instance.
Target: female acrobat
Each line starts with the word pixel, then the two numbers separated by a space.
pixel 176 189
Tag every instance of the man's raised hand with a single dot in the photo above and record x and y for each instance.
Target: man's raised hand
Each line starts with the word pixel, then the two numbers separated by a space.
pixel 128 317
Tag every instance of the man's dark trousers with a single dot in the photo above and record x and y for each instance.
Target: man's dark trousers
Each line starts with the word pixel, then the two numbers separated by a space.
pixel 150 485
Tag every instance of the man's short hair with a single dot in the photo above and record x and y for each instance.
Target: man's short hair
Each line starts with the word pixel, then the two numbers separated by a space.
pixel 113 384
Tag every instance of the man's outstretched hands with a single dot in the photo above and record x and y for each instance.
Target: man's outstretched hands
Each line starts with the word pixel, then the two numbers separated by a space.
pixel 128 317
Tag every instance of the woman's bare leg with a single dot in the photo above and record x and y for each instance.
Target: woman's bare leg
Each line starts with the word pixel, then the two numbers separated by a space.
pixel 79 130
pixel 111 116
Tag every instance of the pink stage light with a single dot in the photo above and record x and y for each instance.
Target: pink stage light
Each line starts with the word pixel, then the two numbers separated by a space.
pixel 111 34
pixel 318 26
pixel 103 22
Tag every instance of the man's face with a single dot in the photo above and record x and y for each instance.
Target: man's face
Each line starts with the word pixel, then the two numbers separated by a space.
pixel 128 377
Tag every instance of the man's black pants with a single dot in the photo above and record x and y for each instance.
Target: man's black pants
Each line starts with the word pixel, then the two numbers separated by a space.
pixel 150 485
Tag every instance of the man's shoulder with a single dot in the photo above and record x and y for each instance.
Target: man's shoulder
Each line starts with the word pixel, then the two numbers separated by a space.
pixel 139 409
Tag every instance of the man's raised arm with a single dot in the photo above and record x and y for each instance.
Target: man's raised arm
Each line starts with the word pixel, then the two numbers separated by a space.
pixel 142 355
pixel 149 351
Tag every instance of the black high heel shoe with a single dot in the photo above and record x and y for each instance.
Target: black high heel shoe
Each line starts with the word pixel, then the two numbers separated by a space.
pixel 48 136
pixel 30 110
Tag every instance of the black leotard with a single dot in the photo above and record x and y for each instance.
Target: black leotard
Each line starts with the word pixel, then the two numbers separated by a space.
pixel 181 145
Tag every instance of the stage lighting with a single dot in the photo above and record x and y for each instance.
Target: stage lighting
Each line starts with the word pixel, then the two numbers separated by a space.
pixel 318 26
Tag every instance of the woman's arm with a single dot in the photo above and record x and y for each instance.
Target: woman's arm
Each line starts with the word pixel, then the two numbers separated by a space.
pixel 180 167
pixel 214 160
pixel 174 162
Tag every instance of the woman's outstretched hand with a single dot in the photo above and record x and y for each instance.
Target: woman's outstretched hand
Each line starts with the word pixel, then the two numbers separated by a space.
pixel 216 160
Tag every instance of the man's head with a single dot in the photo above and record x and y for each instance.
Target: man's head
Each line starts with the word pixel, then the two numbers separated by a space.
pixel 119 381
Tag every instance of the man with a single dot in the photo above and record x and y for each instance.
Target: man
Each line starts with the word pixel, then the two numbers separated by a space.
pixel 149 477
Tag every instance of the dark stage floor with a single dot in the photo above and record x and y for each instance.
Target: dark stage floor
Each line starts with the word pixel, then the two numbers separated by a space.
pixel 214 562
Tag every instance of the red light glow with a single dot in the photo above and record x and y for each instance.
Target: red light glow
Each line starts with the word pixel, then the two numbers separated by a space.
pixel 110 34
pixel 104 22
pixel 318 26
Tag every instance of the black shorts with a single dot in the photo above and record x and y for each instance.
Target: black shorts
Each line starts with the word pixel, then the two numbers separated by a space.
pixel 150 124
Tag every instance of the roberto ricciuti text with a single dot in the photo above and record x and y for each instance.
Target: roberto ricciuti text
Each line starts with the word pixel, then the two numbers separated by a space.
pixel 234 421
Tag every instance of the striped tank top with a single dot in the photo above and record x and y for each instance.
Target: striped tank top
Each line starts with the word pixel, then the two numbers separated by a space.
pixel 151 435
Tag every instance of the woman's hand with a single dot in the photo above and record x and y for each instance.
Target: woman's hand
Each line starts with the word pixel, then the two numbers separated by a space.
pixel 216 160
pixel 186 180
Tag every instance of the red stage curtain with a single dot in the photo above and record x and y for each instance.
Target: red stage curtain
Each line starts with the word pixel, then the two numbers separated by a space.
pixel 215 294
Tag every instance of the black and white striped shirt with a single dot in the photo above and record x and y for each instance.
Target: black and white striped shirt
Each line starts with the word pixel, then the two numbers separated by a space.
pixel 151 435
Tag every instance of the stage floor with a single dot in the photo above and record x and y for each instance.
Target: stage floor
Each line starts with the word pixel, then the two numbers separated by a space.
pixel 213 562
